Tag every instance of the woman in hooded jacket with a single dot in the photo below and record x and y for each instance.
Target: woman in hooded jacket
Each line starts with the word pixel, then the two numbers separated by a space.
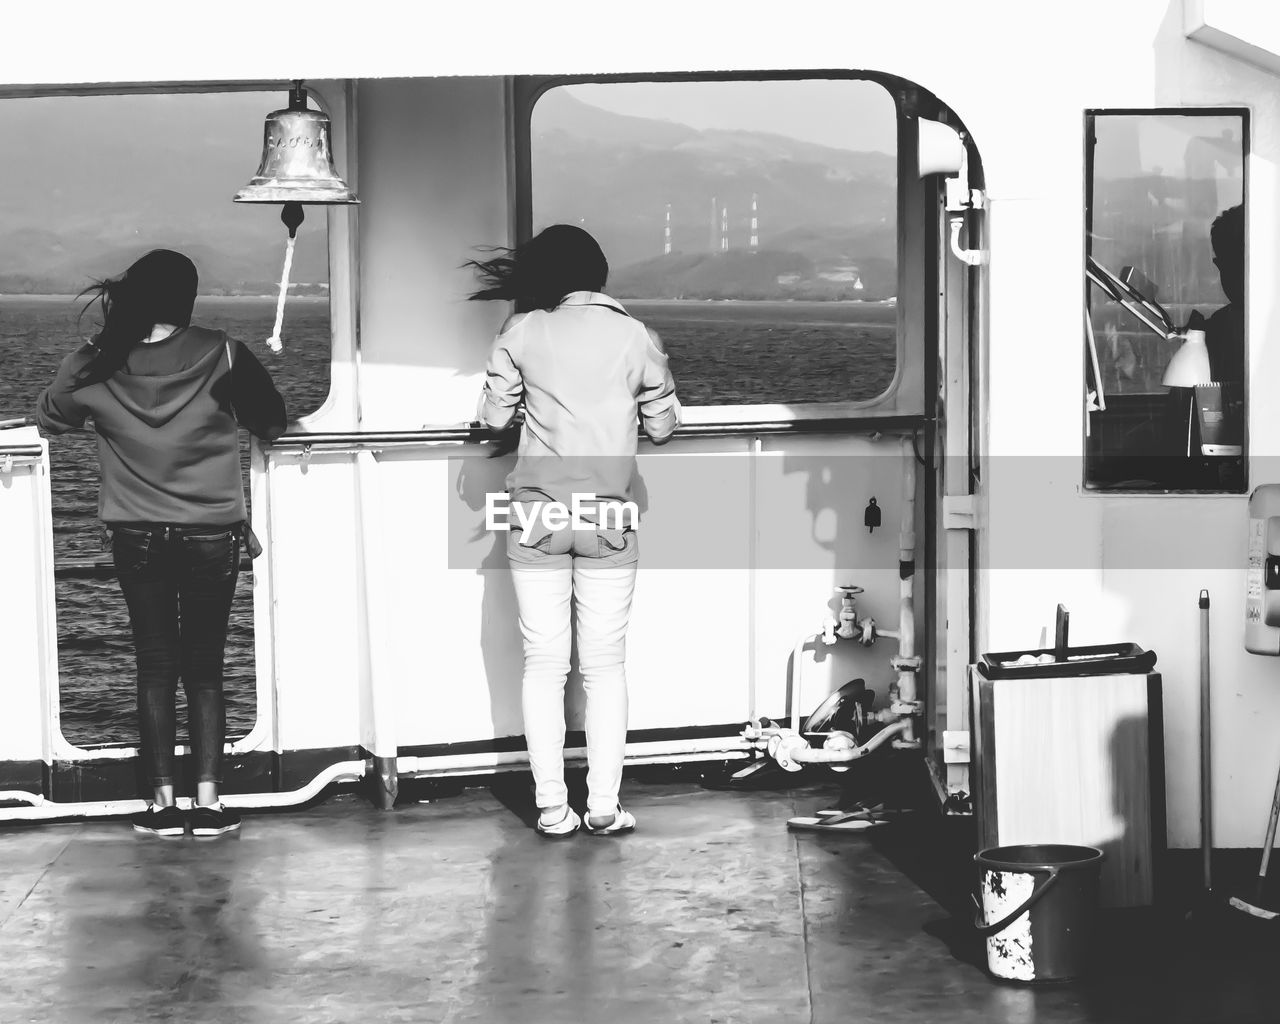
pixel 167 399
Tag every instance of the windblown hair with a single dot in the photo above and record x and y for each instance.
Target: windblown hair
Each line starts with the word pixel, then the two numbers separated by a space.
pixel 160 288
pixel 538 274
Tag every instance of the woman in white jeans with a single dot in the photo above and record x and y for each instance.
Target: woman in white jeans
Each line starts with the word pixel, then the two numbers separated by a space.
pixel 585 372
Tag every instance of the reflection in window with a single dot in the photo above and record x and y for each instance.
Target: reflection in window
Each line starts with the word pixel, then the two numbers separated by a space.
pixel 1165 262
pixel 89 184
pixel 752 224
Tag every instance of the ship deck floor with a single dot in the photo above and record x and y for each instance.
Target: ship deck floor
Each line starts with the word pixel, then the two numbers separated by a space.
pixel 455 911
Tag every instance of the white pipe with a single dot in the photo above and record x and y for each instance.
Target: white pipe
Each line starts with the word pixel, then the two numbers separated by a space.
pixel 906 556
pixel 343 771
pixel 973 257
pixel 821 755
pixel 43 810
pixel 637 753
pixel 796 675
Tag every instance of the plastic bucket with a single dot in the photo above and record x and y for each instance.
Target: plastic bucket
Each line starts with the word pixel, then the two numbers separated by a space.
pixel 1038 910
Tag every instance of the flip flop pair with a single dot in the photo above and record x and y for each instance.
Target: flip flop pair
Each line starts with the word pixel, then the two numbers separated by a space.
pixel 856 819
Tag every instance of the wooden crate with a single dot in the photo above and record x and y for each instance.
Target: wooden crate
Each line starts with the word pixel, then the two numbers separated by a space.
pixel 1076 760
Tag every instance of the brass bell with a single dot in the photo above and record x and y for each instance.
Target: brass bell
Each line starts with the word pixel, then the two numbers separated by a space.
pixel 297 162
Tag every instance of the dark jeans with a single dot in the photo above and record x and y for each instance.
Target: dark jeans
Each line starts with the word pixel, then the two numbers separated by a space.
pixel 179 583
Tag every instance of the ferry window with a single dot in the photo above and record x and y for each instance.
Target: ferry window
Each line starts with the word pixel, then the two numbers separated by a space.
pixel 82 198
pixel 752 224
pixel 1165 356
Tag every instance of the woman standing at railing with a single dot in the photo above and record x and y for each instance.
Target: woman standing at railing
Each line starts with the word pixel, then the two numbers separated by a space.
pixel 584 370
pixel 167 399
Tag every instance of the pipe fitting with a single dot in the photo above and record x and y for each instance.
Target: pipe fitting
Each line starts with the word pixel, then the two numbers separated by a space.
pixel 972 257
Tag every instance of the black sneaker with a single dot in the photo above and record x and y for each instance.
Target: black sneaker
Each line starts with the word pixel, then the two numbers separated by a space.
pixel 213 821
pixel 160 821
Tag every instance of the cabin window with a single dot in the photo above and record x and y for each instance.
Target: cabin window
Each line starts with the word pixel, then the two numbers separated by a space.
pixel 1165 349
pixel 90 183
pixel 753 224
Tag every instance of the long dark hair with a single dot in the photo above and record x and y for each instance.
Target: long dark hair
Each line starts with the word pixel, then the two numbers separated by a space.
pixel 160 288
pixel 538 274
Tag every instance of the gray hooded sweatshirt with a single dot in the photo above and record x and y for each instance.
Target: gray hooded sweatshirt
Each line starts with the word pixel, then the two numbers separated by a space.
pixel 167 426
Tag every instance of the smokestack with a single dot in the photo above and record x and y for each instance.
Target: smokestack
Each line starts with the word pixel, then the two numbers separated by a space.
pixel 724 229
pixel 666 239
pixel 755 225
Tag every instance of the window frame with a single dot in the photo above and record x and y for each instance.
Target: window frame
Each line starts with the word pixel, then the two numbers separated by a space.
pixel 340 408
pixel 914 375
pixel 1088 484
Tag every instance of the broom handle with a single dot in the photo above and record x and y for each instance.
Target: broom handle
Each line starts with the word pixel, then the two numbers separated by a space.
pixel 1271 838
pixel 1206 784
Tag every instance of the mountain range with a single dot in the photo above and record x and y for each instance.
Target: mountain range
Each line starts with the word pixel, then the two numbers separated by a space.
pixel 825 217
pixel 90 183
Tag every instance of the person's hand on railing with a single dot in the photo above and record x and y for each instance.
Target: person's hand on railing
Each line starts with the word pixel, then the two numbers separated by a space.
pixel 506 440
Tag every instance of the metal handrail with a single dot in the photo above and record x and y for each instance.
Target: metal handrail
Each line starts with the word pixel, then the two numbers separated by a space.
pixel 96 569
pixel 478 434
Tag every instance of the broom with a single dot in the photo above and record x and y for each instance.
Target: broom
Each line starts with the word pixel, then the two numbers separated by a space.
pixel 1256 908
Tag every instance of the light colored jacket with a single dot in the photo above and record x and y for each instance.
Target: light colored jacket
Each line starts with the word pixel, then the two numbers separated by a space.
pixel 586 371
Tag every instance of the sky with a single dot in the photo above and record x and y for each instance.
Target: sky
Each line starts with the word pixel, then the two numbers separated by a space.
pixel 802 109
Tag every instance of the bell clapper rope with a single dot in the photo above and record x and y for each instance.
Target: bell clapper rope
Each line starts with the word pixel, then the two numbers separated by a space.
pixel 292 217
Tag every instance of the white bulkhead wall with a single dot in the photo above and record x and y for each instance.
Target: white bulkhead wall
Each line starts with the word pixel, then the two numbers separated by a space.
pixel 1134 581
pixel 1021 77
pixel 30 659
pixel 1044 542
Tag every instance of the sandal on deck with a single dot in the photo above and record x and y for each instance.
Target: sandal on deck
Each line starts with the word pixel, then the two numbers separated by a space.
pixel 622 822
pixel 844 821
pixel 561 829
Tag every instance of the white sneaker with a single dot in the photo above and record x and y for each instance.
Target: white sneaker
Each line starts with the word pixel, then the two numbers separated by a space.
pixel 558 828
pixel 610 824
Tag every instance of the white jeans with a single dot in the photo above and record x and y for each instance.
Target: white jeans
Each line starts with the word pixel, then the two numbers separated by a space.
pixel 598 576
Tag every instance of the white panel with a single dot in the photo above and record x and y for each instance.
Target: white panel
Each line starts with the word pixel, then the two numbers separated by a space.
pixel 459 655
pixel 316 590
pixel 688 655
pixel 29 665
pixel 813 493
pixel 453 622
